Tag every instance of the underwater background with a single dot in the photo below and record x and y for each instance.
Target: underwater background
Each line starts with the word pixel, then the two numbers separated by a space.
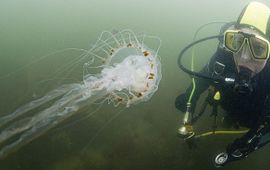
pixel 143 136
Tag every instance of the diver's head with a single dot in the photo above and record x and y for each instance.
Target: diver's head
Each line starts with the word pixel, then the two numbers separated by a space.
pixel 251 49
pixel 248 40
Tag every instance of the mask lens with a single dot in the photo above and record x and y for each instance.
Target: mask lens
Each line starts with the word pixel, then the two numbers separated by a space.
pixel 233 41
pixel 259 48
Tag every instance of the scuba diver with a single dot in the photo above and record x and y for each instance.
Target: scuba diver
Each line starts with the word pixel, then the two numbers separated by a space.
pixel 239 73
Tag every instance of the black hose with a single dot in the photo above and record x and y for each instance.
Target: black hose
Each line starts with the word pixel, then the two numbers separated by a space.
pixel 192 72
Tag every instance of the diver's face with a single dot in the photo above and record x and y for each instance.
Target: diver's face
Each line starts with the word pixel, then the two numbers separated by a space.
pixel 244 58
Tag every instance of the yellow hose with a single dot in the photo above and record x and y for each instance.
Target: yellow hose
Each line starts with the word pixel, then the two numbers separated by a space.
pixel 221 132
pixel 193 80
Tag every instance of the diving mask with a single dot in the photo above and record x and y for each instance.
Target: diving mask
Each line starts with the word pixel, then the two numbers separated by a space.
pixel 259 46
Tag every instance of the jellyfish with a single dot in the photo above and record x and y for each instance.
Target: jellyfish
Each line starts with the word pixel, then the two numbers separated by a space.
pixel 119 68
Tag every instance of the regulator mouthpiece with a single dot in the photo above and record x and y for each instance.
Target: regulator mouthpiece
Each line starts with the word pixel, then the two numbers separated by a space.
pixel 243 85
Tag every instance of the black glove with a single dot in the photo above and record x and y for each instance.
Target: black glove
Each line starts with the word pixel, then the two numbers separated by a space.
pixel 240 148
pixel 181 102
pixel 237 145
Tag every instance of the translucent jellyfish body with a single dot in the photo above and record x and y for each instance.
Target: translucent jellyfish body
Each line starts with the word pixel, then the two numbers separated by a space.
pixel 120 69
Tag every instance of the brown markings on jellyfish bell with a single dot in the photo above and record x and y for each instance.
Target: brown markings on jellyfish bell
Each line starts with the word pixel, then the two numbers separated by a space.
pixel 151 76
pixel 119 99
pixel 140 94
pixel 146 53
pixel 112 50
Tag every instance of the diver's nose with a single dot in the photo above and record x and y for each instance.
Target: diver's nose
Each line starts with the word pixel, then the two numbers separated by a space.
pixel 245 53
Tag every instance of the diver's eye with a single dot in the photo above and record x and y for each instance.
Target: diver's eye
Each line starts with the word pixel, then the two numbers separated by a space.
pixel 258 50
pixel 237 42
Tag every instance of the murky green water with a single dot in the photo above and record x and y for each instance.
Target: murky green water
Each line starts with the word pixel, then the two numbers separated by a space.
pixel 140 137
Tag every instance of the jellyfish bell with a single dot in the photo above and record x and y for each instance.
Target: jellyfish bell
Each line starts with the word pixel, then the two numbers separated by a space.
pixel 120 68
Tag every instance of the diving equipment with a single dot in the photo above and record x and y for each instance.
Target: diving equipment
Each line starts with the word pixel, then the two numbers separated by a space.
pixel 234 40
pixel 186 131
pixel 243 86
pixel 221 159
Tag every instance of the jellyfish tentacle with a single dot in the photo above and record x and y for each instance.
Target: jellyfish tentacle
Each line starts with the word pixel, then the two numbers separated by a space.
pixel 36 103
pixel 48 118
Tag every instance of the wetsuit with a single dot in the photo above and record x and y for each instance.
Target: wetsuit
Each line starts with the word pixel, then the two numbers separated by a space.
pixel 252 110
